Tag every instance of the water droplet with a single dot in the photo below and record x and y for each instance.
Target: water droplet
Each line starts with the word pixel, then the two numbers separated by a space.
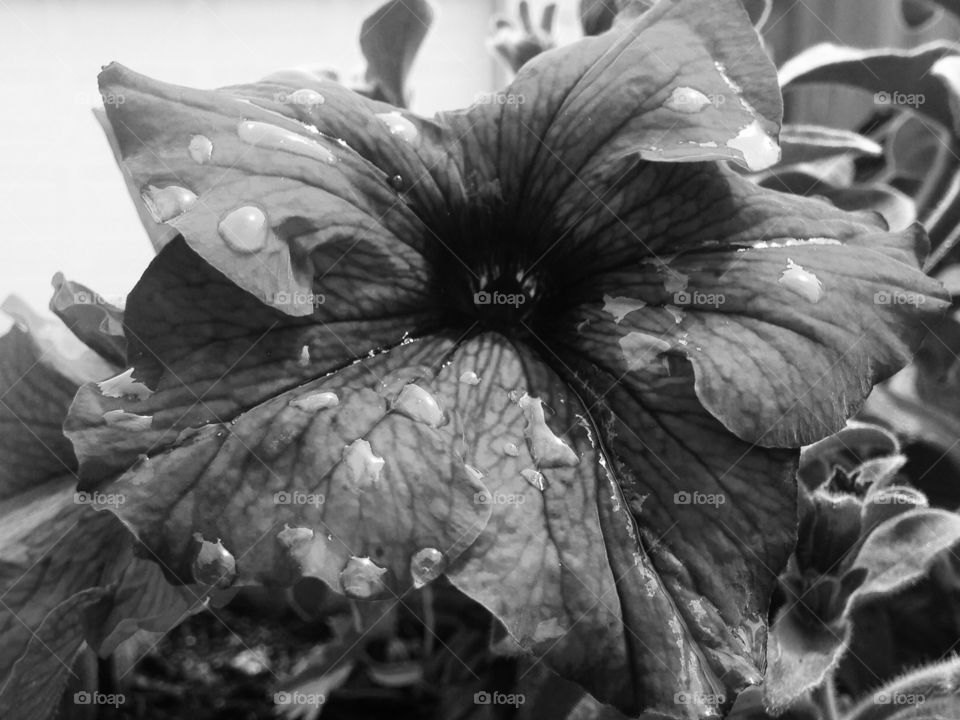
pixel 426 565
pixel 200 149
pixel 245 229
pixel 396 182
pixel 127 421
pixel 304 359
pixel 548 630
pixel 620 307
pixel 759 151
pixel 470 378
pixel 511 449
pixel 687 100
pixel 803 282
pixel 166 203
pixel 793 242
pixel 124 386
pixel 363 579
pixel 292 537
pixel 419 405
pixel 677 313
pixel 640 349
pixel 315 401
pixel 536 479
pixel 264 134
pixel 398 125
pixel 363 466
pixel 549 451
pixel 214 564
pixel 474 474
pixel 307 97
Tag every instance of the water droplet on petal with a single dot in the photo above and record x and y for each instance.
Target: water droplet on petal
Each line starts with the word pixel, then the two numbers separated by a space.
pixel 549 451
pixel 214 564
pixel 200 149
pixel 474 474
pixel 166 203
pixel 264 134
pixel 687 100
pixel 315 401
pixel 793 242
pixel 620 307
pixel 291 537
pixel 758 149
pixel 511 449
pixel 676 312
pixel 419 405
pixel 396 182
pixel 640 349
pixel 398 125
pixel 363 579
pixel 363 466
pixel 245 229
pixel 124 386
pixel 307 97
pixel 304 359
pixel 536 479
pixel 803 282
pixel 127 421
pixel 470 378
pixel 426 565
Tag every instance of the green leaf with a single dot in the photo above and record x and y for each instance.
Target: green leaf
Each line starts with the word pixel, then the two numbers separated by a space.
pixel 806 143
pixel 926 693
pixel 923 80
pixel 390 39
pixel 96 322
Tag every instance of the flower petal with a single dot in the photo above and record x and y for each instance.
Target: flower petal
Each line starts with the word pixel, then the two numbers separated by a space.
pixel 259 177
pixel 789 309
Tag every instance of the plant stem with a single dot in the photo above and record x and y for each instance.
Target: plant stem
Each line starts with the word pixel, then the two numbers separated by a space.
pixel 826 699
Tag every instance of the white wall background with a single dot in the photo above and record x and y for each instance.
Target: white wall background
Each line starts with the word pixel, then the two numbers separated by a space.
pixel 63 204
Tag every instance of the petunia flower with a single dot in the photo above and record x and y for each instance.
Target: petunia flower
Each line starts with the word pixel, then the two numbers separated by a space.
pixel 549 347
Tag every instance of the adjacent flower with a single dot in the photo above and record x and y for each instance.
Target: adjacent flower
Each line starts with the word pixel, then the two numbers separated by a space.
pixel 547 348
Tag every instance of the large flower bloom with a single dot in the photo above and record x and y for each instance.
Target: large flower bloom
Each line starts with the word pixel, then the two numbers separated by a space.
pixel 547 347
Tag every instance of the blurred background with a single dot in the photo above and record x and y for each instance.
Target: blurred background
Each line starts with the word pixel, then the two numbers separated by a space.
pixel 64 205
